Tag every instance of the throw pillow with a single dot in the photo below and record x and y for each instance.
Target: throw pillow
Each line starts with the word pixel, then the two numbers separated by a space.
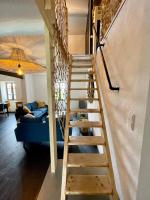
pixel 29 116
pixel 41 104
pixel 26 110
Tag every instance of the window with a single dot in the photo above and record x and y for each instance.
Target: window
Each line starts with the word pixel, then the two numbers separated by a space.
pixel 11 91
pixel 60 97
pixel 60 90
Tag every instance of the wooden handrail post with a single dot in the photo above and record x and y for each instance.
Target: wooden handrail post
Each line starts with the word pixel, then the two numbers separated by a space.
pixel 54 14
pixel 51 100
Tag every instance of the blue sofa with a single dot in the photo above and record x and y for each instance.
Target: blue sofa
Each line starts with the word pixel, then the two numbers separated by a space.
pixel 35 130
pixel 37 112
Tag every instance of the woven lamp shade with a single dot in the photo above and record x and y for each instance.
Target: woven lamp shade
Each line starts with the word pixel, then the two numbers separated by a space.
pixel 18 57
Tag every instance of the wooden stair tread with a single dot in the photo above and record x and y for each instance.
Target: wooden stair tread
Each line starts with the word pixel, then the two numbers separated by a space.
pixel 86 140
pixel 83 89
pixel 83 66
pixel 82 55
pixel 82 58
pixel 82 62
pixel 82 80
pixel 84 111
pixel 88 185
pixel 87 160
pixel 85 72
pixel 85 184
pixel 79 65
pixel 85 124
pixel 86 99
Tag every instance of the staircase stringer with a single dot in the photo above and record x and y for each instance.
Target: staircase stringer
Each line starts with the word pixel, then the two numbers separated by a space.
pixel 110 169
pixel 66 139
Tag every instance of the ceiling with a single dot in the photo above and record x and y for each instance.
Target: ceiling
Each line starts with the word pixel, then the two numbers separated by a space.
pixel 20 17
pixel 21 26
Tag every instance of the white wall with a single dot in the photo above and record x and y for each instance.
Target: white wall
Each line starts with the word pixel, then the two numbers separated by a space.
pixel 29 87
pixel 3 91
pixel 144 175
pixel 20 90
pixel 127 55
pixel 76 44
pixel 36 87
pixel 40 86
pixel 0 95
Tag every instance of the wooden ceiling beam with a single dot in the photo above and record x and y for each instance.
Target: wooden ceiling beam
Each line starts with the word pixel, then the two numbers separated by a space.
pixel 12 74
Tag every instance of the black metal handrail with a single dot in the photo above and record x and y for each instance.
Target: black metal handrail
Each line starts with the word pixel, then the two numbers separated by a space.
pixel 104 62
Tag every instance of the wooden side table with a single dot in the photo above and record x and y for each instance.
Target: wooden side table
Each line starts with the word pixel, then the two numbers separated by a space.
pixel 84 131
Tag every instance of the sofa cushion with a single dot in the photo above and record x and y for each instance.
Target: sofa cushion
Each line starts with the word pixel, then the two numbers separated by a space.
pixel 30 120
pixel 34 105
pixel 37 113
pixel 43 110
pixel 28 105
pixel 29 115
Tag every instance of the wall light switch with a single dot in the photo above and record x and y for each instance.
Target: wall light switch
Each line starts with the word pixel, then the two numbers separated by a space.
pixel 133 122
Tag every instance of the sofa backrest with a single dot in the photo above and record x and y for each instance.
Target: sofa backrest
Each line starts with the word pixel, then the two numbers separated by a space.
pixel 30 120
pixel 32 106
pixel 31 130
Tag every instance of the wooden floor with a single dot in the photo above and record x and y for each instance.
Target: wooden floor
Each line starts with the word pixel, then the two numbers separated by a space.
pixel 21 176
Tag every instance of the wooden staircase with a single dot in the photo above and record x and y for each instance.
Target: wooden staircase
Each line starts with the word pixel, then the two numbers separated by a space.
pixel 86 184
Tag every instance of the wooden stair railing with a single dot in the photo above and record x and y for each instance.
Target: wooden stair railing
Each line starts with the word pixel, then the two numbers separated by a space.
pixel 78 184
